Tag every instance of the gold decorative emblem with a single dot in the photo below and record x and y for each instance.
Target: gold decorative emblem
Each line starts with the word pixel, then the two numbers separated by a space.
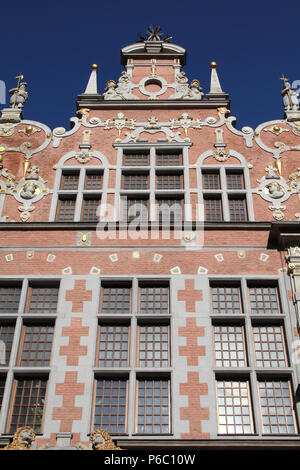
pixel 23 439
pixel 101 440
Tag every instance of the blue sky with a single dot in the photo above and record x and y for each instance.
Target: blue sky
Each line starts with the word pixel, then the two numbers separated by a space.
pixel 54 44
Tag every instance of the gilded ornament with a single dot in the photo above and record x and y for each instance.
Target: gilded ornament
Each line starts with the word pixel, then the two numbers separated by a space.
pixel 24 439
pixel 101 440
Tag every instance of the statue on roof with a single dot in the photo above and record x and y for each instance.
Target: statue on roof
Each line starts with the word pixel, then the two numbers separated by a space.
pixel 19 94
pixel 290 97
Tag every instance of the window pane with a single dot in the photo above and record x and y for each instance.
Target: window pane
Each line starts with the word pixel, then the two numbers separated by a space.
pixel 28 404
pixel 153 412
pixel 166 159
pixel 37 346
pixel 211 181
pixel 237 209
pixel 277 408
pixel 2 386
pixel 154 346
pixel 6 339
pixel 90 209
pixel 234 408
pixel 115 299
pixel 9 299
pixel 136 159
pixel 269 346
pixel 170 210
pixel 213 209
pixel 137 209
pixel 43 299
pixel 66 209
pixel 226 299
pixel 110 405
pixel 264 299
pixel 69 181
pixel 235 180
pixel 229 346
pixel 169 181
pixel 93 180
pixel 113 346
pixel 135 181
pixel 154 300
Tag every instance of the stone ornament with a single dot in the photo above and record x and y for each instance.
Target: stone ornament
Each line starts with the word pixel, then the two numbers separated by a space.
pixel 101 440
pixel 289 97
pixel 24 439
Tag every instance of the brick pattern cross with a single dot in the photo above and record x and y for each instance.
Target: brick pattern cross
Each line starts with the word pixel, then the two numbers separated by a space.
pixel 194 412
pixel 192 351
pixel 78 295
pixel 73 350
pixel 68 412
pixel 190 295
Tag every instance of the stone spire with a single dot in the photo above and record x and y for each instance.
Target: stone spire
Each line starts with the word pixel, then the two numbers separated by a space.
pixel 91 88
pixel 215 86
pixel 215 93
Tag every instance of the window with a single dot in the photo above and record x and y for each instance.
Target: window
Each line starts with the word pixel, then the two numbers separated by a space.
pixel 66 209
pixel 28 404
pixel 234 180
pixel 136 159
pixel 9 299
pixel 36 346
pixel 224 194
pixel 136 209
pixel 229 346
pixel 168 159
pixel 90 209
pixel 2 387
pixel 111 405
pixel 79 194
pixel 135 181
pixel 6 340
pixel 226 299
pixel 153 406
pixel 276 407
pixel 234 407
pixel 154 299
pixel 113 344
pixel 169 181
pixel 42 299
pixel 69 181
pixel 153 346
pixel 93 180
pixel 237 209
pixel 116 298
pixel 264 299
pixel 211 180
pixel 213 209
pixel 269 346
pixel 169 210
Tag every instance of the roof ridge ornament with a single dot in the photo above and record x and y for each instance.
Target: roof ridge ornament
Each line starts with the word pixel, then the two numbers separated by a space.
pixel 155 33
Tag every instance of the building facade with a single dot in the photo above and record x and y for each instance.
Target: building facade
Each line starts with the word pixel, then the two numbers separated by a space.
pixel 149 265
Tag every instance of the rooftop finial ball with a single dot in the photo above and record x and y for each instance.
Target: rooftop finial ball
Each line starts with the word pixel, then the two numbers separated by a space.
pixel 213 65
pixel 94 66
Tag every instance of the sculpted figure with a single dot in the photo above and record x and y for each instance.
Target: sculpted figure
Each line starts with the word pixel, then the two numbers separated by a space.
pixel 101 440
pixel 24 439
pixel 290 97
pixel 19 96
pixel 195 91
pixel 124 87
pixel 110 91
pixel 275 190
pixel 32 173
pixel 181 88
pixel 28 191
